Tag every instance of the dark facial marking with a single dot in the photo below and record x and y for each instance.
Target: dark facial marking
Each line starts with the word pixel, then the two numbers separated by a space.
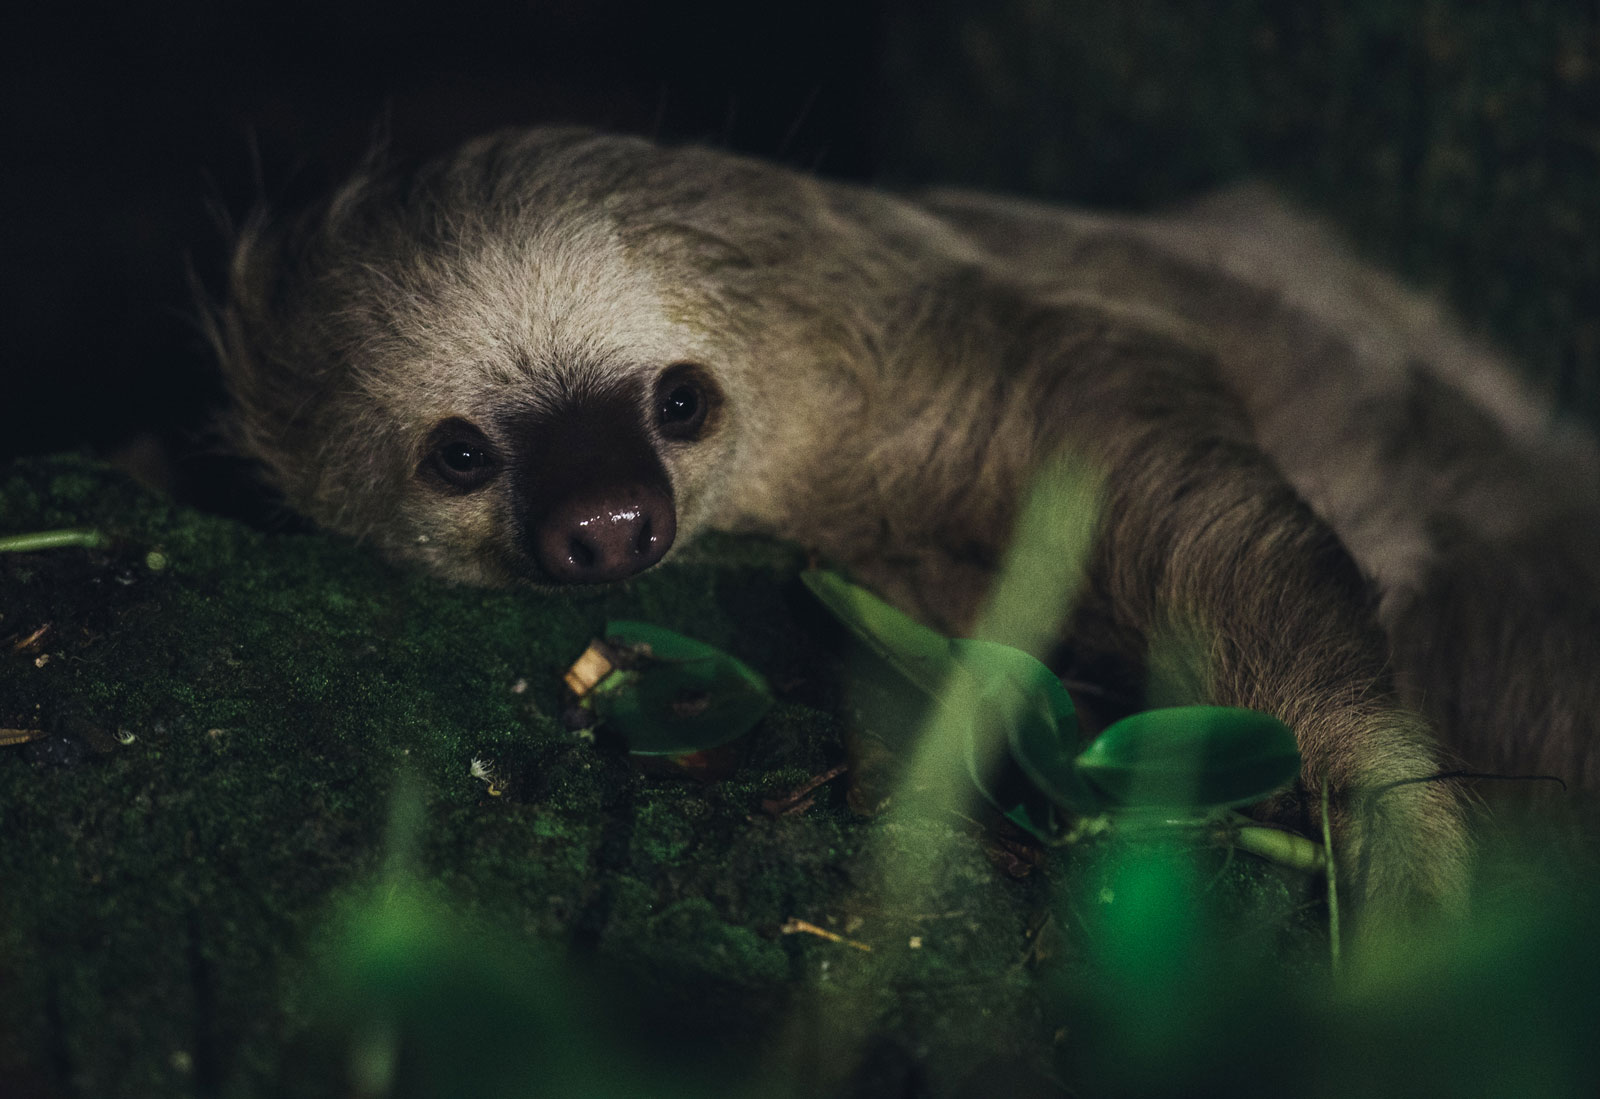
pixel 591 497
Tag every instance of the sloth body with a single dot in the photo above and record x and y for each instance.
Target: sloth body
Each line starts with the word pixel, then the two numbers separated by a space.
pixel 555 353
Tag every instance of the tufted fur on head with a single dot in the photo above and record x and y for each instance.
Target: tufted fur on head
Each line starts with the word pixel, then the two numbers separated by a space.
pixel 1305 469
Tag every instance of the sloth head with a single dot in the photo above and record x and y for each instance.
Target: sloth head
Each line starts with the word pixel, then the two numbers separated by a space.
pixel 527 361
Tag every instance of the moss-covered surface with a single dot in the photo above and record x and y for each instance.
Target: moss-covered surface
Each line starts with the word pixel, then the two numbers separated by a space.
pixel 231 742
pixel 249 858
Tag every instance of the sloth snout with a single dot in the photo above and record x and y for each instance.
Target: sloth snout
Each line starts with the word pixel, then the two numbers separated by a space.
pixel 609 536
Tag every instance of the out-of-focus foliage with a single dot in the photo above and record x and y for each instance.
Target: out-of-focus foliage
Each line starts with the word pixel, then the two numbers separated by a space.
pixel 288 880
pixel 1019 733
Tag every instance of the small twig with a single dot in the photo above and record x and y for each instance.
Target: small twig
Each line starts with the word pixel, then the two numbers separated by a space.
pixel 795 800
pixel 53 539
pixel 33 639
pixel 802 927
pixel 9 737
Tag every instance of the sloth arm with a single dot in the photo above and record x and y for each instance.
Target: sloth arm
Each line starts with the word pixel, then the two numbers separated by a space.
pixel 1210 580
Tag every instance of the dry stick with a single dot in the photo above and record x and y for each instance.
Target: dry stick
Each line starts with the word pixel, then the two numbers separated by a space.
pixel 8 737
pixel 796 927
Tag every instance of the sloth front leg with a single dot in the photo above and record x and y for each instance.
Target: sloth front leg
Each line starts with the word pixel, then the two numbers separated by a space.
pixel 1211 581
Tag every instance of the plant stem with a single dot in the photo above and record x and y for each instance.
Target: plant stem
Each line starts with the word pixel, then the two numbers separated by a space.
pixel 1333 887
pixel 1283 848
pixel 53 539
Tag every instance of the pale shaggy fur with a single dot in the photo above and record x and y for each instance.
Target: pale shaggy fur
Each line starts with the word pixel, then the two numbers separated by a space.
pixel 895 371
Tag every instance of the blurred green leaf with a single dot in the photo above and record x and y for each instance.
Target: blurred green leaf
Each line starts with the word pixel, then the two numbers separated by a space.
pixel 921 655
pixel 421 999
pixel 679 695
pixel 986 709
pixel 1019 732
pixel 1023 733
pixel 427 1002
pixel 1191 757
pixel 1045 565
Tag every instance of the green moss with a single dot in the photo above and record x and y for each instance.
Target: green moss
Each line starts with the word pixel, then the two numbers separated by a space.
pixel 161 895
pixel 695 938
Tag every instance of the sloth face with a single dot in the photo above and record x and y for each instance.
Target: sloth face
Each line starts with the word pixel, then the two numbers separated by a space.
pixel 585 484
pixel 484 366
pixel 581 465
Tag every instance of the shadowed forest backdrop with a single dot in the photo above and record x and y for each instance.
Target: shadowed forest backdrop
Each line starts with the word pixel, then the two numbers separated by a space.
pixel 1458 142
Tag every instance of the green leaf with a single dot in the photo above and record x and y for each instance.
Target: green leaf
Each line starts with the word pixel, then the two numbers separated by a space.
pixel 1024 736
pixel 1021 731
pixel 680 695
pixel 1191 757
pixel 912 649
pixel 984 710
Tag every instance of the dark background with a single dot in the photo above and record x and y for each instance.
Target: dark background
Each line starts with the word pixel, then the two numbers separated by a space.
pixel 1460 143
pixel 134 131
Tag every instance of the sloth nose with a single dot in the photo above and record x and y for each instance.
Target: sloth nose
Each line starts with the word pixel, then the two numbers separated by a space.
pixel 610 536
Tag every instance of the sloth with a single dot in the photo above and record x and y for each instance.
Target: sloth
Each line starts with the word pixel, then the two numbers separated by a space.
pixel 555 355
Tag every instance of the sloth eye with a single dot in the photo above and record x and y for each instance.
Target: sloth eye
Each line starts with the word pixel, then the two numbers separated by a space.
pixel 681 405
pixel 463 457
pixel 460 456
pixel 684 399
